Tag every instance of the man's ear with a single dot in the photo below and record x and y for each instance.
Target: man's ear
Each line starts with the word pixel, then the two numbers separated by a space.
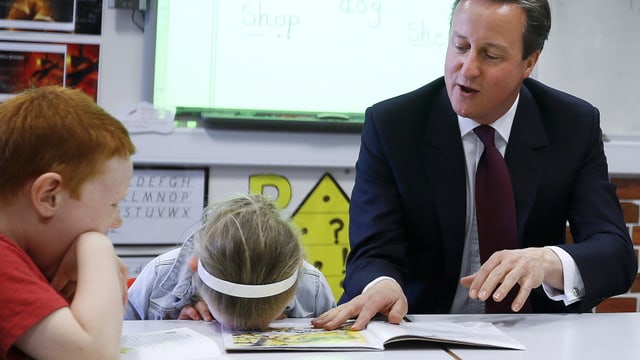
pixel 530 63
pixel 193 263
pixel 46 193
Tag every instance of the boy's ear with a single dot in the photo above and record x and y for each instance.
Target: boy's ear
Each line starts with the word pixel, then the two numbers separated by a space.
pixel 45 193
pixel 193 263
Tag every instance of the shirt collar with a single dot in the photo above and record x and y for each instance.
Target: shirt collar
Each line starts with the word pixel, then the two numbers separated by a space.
pixel 502 125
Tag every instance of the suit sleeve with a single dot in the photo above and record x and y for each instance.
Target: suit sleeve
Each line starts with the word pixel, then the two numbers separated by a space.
pixel 602 247
pixel 376 232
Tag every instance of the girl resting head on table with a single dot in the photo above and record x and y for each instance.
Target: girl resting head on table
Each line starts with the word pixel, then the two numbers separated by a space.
pixel 244 267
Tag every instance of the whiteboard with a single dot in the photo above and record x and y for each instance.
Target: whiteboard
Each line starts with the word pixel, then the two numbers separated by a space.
pixel 593 52
pixel 327 56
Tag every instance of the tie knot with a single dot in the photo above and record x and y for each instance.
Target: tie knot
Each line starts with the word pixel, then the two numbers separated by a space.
pixel 486 134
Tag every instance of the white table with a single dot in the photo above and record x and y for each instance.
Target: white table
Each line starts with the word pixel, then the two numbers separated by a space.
pixel 546 336
pixel 559 336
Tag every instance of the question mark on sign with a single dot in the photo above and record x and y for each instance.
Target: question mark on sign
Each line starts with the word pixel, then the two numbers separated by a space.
pixel 337 229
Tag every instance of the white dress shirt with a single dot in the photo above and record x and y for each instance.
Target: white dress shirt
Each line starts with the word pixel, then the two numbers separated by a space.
pixel 473 148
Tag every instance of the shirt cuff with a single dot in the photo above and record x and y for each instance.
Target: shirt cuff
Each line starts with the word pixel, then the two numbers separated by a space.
pixel 573 285
pixel 377 280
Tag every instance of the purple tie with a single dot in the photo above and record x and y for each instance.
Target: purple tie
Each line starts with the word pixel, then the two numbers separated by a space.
pixel 495 210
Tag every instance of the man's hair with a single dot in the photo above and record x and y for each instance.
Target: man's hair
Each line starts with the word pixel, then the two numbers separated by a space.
pixel 536 30
pixel 56 129
pixel 245 240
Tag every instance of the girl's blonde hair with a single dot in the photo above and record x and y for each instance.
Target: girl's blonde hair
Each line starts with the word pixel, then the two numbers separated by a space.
pixel 245 240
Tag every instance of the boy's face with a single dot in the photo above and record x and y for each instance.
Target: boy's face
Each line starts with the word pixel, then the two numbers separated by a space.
pixel 95 210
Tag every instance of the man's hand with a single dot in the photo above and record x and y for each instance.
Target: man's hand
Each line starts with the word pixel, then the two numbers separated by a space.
pixel 199 311
pixel 384 297
pixel 528 267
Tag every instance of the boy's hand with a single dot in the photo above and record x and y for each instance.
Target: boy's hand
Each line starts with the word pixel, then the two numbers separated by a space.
pixel 66 277
pixel 124 276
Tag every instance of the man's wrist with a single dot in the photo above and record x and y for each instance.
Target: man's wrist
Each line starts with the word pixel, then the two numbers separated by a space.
pixel 553 268
pixel 377 280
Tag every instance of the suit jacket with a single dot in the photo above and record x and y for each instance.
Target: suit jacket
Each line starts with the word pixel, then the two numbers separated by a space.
pixel 408 205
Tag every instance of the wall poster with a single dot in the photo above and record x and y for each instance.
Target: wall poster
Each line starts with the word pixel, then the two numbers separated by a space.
pixel 162 206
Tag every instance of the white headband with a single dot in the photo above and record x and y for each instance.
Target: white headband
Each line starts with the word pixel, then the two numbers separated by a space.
pixel 244 290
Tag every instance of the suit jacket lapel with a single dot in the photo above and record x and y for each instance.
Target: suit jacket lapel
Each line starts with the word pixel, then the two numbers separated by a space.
pixel 525 155
pixel 447 180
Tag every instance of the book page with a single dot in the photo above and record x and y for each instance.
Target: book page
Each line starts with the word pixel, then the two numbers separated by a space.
pixel 296 335
pixel 475 333
pixel 168 344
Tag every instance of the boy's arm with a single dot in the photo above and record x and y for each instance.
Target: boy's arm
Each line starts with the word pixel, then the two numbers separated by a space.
pixel 90 328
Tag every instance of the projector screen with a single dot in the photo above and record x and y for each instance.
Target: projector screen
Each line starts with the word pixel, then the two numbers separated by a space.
pixel 303 63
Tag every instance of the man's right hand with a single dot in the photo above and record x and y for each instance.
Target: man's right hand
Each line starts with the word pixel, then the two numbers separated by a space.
pixel 384 297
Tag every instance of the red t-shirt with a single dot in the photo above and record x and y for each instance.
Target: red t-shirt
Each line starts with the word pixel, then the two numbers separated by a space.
pixel 25 297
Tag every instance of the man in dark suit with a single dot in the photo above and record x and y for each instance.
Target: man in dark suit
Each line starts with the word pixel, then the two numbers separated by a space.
pixel 414 238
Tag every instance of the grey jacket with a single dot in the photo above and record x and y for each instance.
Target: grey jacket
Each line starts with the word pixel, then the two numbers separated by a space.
pixel 164 287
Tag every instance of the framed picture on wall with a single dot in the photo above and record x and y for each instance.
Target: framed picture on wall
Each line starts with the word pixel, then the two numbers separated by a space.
pixel 43 15
pixel 77 16
pixel 26 65
pixel 163 206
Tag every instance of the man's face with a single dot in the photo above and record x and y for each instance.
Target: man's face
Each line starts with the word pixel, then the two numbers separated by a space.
pixel 484 67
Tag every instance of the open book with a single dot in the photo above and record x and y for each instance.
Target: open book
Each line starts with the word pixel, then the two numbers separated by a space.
pixel 168 344
pixel 298 334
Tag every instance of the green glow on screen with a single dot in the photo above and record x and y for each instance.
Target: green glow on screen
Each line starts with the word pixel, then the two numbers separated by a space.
pixel 287 56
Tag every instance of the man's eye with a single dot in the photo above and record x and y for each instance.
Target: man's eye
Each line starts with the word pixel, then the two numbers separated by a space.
pixel 459 47
pixel 492 56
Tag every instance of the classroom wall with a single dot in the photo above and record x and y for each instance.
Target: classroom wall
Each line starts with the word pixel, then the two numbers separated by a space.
pixel 593 52
pixel 121 61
